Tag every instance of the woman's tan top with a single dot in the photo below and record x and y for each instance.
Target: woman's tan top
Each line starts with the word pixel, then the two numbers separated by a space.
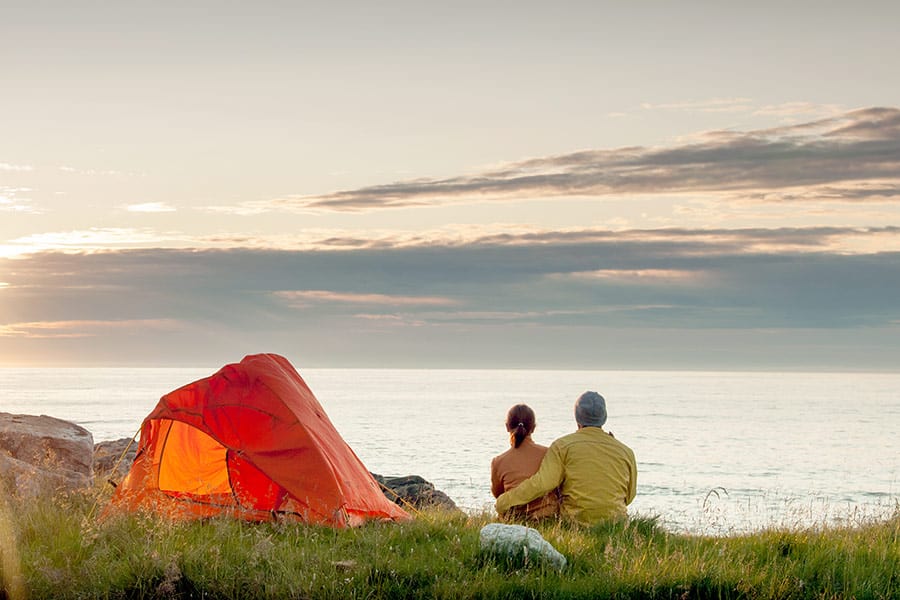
pixel 515 466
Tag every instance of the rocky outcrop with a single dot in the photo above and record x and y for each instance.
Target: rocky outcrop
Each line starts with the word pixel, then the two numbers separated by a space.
pixel 41 453
pixel 112 459
pixel 415 491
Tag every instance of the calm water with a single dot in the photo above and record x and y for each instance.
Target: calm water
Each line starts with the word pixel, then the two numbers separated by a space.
pixel 717 452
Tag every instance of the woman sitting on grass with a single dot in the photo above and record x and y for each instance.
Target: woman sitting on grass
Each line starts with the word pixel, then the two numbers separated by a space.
pixel 519 463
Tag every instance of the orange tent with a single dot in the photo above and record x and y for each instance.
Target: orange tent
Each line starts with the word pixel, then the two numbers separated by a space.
pixel 250 441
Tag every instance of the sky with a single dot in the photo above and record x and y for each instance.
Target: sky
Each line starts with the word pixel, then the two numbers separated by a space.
pixel 585 185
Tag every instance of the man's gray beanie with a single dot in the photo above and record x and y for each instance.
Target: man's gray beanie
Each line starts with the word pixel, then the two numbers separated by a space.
pixel 590 410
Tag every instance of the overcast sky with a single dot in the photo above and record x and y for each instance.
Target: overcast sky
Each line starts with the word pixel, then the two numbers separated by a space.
pixel 593 185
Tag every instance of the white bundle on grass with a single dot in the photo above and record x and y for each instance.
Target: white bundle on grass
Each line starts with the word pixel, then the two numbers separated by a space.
pixel 519 543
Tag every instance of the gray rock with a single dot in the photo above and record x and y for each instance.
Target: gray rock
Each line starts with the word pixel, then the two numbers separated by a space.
pixel 41 453
pixel 29 481
pixel 414 490
pixel 112 459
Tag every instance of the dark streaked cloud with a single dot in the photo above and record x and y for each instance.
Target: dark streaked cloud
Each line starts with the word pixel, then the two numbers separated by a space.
pixel 465 300
pixel 859 192
pixel 853 148
pixel 879 123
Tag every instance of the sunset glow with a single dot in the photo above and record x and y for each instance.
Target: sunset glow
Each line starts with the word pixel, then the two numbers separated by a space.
pixel 177 193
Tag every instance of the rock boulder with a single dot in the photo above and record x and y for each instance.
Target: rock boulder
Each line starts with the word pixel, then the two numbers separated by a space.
pixel 112 459
pixel 41 453
pixel 414 490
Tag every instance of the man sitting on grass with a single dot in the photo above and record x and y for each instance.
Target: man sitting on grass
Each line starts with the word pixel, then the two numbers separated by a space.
pixel 596 473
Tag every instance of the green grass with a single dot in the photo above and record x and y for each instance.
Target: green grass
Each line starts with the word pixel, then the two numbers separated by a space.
pixel 52 550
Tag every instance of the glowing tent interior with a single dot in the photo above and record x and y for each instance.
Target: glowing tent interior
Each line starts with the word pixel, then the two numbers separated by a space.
pixel 253 442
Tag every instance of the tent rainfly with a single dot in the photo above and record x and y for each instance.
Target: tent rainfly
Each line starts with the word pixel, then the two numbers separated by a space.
pixel 250 441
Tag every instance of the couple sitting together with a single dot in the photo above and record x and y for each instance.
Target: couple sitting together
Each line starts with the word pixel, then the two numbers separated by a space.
pixel 586 476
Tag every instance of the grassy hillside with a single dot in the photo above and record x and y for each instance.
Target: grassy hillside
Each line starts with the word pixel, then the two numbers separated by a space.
pixel 51 549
